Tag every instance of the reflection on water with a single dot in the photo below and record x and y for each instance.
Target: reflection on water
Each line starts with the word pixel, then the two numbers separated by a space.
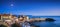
pixel 49 24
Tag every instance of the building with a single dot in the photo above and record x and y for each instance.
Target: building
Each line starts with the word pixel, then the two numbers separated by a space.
pixel 26 18
pixel 6 17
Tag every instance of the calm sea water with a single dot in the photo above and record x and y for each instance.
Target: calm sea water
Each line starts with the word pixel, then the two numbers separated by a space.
pixel 49 24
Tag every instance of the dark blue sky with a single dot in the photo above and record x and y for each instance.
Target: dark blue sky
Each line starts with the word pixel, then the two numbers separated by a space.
pixel 31 7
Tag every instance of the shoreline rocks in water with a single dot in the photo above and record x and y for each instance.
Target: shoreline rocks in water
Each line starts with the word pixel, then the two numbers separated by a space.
pixel 42 19
pixel 49 19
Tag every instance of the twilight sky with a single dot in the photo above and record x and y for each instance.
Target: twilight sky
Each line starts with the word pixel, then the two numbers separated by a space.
pixel 31 7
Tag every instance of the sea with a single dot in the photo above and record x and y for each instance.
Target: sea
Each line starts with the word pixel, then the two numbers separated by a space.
pixel 47 24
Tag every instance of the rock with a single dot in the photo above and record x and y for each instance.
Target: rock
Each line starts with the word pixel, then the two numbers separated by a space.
pixel 49 19
pixel 3 25
pixel 35 26
pixel 16 25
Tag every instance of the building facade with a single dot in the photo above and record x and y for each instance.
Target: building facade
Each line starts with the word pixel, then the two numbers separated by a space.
pixel 6 17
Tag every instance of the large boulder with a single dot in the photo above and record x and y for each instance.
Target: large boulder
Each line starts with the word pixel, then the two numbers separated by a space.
pixel 49 19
